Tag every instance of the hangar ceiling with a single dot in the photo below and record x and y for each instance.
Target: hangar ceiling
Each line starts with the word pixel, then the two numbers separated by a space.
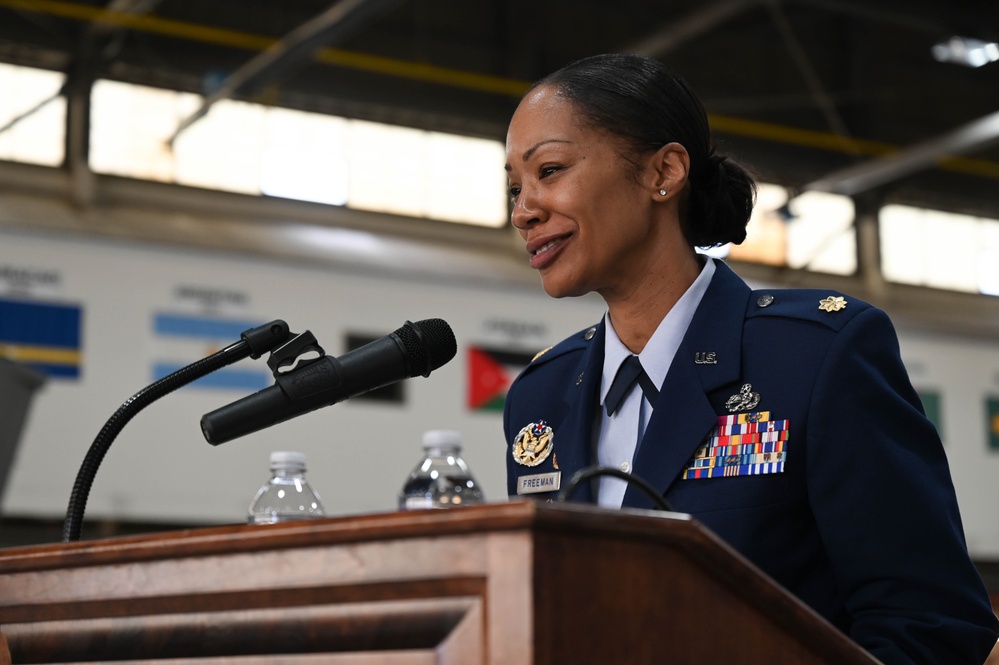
pixel 841 95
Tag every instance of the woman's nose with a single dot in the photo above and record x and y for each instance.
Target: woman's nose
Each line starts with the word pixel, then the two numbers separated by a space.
pixel 526 212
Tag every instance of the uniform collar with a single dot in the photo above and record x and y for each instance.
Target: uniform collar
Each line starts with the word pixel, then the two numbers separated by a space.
pixel 658 354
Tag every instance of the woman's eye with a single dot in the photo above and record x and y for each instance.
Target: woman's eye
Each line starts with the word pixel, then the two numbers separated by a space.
pixel 513 192
pixel 548 170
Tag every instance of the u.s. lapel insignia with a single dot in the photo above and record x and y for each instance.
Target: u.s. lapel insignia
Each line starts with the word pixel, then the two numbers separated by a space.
pixel 706 358
pixel 533 444
pixel 744 400
pixel 832 303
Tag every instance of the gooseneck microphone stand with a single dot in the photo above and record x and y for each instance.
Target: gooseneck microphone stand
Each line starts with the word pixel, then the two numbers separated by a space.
pixel 252 344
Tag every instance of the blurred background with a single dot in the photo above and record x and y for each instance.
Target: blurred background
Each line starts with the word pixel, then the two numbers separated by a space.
pixel 173 172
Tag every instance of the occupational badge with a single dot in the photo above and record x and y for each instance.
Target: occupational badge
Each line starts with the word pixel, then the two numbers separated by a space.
pixel 744 400
pixel 832 303
pixel 533 444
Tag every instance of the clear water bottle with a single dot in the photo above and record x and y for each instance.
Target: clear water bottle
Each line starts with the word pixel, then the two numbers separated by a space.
pixel 287 495
pixel 441 479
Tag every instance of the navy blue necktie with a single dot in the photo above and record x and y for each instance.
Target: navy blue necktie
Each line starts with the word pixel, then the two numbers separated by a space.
pixel 628 374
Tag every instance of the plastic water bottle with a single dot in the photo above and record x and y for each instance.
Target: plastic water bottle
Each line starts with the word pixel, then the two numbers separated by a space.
pixel 441 479
pixel 287 495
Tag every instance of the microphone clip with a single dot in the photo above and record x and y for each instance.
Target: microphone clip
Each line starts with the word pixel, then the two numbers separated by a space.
pixel 295 366
pixel 295 354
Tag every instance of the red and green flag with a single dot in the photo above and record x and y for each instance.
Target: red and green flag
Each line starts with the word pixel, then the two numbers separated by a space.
pixel 490 373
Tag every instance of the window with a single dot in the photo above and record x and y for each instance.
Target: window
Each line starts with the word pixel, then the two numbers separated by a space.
pixel 255 149
pixel 30 96
pixel 813 231
pixel 939 249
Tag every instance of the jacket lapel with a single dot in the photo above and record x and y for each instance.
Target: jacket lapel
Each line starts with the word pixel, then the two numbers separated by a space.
pixel 683 414
pixel 574 440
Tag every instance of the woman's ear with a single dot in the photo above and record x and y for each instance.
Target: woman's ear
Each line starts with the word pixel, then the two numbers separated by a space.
pixel 671 165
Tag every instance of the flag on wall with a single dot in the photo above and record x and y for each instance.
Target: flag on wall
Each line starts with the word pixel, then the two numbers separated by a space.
pixel 490 373
pixel 182 339
pixel 43 336
pixel 992 409
pixel 932 408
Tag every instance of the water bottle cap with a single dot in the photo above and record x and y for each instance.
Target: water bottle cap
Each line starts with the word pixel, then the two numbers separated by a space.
pixel 287 459
pixel 437 438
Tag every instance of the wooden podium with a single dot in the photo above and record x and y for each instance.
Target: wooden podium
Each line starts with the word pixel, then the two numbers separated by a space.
pixel 517 583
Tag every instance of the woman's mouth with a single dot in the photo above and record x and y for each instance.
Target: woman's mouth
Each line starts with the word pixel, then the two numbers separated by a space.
pixel 544 248
pixel 543 255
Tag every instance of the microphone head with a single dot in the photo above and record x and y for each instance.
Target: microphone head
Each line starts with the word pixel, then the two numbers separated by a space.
pixel 429 344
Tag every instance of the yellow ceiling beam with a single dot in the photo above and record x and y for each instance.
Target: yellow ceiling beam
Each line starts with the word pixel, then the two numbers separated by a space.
pixel 252 42
pixel 460 79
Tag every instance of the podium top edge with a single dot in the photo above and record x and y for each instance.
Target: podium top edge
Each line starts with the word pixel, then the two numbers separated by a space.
pixel 522 515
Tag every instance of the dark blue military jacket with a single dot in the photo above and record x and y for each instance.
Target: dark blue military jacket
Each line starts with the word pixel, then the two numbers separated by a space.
pixel 857 516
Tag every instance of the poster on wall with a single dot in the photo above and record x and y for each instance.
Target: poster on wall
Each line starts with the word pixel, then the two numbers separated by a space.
pixel 182 339
pixel 44 336
pixel 394 393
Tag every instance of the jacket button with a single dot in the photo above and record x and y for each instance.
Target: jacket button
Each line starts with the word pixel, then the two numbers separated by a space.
pixel 765 300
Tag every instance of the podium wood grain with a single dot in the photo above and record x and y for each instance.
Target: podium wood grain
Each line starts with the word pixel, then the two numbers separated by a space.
pixel 516 583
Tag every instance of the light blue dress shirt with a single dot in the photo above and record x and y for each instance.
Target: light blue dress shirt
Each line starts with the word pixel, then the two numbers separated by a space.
pixel 618 436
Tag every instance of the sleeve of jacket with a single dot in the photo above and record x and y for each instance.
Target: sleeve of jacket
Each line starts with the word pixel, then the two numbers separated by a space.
pixel 886 508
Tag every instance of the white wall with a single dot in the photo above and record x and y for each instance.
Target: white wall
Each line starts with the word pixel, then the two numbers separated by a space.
pixel 965 372
pixel 160 467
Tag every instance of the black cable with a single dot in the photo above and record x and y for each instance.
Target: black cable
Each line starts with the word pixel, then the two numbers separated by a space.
pixel 593 471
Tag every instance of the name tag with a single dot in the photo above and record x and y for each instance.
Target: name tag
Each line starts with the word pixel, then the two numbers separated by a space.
pixel 542 482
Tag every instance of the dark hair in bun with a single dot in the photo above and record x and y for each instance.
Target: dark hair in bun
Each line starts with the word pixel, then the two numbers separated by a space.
pixel 639 100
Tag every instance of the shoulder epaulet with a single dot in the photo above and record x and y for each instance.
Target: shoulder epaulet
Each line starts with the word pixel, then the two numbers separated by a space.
pixel 830 308
pixel 572 343
pixel 540 353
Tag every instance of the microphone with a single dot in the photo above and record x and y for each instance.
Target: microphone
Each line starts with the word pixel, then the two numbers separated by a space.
pixel 415 349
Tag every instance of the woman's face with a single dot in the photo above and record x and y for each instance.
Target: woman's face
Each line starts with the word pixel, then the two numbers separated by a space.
pixel 586 216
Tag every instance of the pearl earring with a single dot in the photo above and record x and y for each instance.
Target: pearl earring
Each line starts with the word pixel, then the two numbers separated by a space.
pixel 662 192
